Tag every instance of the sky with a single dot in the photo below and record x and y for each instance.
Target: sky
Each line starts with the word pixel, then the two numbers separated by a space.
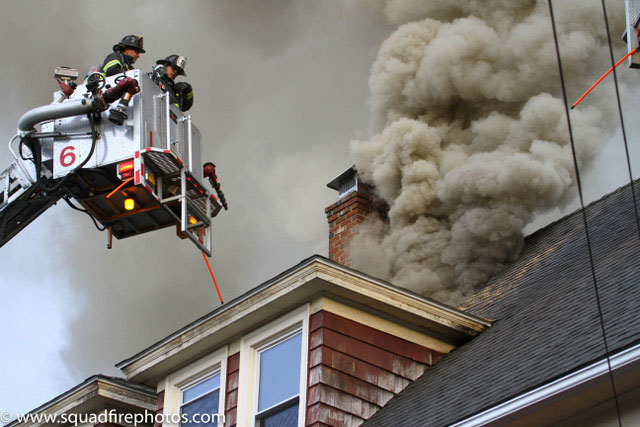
pixel 280 91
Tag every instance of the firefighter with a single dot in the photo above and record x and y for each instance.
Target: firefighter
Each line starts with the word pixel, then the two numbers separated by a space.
pixel 165 73
pixel 124 55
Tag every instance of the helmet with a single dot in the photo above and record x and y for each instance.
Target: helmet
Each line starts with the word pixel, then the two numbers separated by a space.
pixel 176 61
pixel 131 41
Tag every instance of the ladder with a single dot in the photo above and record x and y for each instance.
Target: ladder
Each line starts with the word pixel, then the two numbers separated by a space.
pixel 21 201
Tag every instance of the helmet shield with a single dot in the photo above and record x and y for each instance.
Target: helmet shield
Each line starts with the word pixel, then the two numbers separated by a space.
pixel 177 61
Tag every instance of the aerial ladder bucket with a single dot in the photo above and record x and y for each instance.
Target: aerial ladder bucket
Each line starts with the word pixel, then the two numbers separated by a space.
pixel 137 172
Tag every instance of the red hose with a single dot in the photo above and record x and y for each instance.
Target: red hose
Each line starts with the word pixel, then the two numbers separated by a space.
pixel 127 85
pixel 212 276
pixel 602 77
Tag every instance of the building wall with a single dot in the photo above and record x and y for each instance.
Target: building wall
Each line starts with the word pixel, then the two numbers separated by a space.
pixel 355 363
pixel 354 369
pixel 159 407
pixel 343 217
pixel 231 399
pixel 606 415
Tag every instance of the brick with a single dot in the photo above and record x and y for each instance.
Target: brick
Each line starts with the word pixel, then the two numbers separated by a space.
pixel 332 207
pixel 364 205
pixel 333 217
pixel 350 203
pixel 353 212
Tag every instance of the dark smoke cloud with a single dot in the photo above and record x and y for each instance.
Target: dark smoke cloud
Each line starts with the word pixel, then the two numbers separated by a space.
pixel 472 140
pixel 280 86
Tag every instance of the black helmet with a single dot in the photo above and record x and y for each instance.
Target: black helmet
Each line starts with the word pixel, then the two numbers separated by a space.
pixel 176 61
pixel 134 42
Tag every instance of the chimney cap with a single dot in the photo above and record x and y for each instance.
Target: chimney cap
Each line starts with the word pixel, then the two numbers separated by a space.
pixel 344 176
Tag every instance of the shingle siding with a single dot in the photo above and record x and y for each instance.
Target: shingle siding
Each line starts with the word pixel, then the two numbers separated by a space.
pixel 231 398
pixel 159 408
pixel 355 369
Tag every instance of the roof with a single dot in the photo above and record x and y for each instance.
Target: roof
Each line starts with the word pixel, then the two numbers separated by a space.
pixel 94 393
pixel 313 276
pixel 546 323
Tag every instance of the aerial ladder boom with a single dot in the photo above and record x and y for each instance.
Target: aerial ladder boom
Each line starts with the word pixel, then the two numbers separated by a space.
pixel 20 203
pixel 117 149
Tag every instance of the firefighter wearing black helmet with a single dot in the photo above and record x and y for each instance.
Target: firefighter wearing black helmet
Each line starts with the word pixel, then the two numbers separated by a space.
pixel 165 72
pixel 124 55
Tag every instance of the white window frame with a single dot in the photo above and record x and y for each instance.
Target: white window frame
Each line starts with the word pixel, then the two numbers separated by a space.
pixel 252 343
pixel 191 374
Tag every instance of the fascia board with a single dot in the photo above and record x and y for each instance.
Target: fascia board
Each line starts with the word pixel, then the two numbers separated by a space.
pixel 318 276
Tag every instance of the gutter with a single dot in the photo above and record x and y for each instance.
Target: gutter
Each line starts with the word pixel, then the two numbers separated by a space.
pixel 465 323
pixel 554 388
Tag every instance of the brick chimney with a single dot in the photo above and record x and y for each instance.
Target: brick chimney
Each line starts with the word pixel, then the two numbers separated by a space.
pixel 356 202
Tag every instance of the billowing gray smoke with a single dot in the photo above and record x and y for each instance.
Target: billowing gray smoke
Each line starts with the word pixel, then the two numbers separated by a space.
pixel 268 78
pixel 473 137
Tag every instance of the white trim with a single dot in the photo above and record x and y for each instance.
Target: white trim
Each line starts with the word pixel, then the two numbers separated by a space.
pixel 189 375
pixel 293 287
pixel 553 388
pixel 250 344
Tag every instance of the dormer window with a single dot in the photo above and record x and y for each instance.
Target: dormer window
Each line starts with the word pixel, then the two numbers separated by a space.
pixel 195 394
pixel 273 367
pixel 279 382
pixel 201 398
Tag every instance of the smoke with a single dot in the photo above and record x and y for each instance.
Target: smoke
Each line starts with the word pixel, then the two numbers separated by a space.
pixel 472 138
pixel 279 86
pixel 267 79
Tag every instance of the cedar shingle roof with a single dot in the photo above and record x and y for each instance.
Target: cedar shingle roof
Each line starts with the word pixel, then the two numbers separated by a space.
pixel 546 321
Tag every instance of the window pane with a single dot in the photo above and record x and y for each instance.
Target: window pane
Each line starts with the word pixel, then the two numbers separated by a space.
pixel 201 388
pixel 287 417
pixel 207 404
pixel 280 372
